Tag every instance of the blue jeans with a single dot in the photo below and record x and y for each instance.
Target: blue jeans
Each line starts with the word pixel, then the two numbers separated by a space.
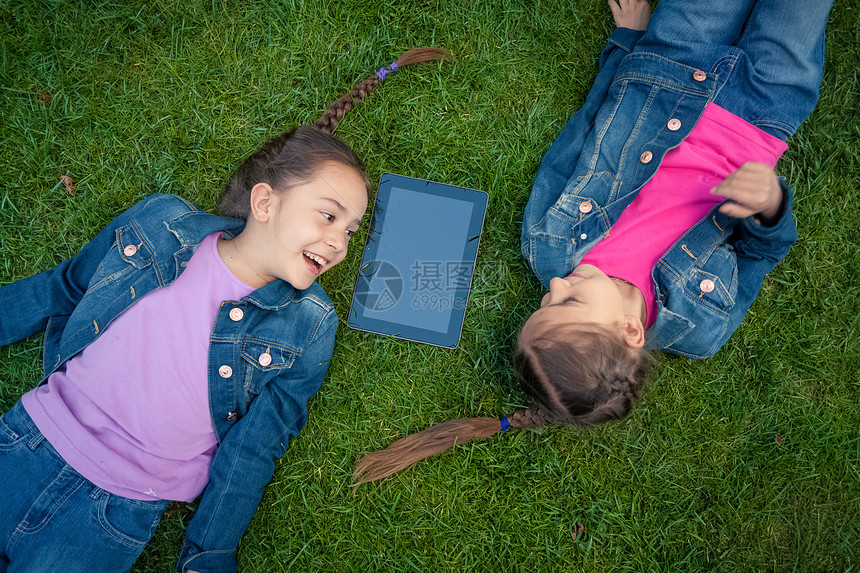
pixel 53 519
pixel 774 85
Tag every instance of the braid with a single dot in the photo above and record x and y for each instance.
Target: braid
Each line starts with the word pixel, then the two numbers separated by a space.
pixel 583 375
pixel 442 437
pixel 341 106
pixel 534 417
pixel 344 103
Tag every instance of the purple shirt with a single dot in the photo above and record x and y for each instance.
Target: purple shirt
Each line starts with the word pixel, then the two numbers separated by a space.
pixel 113 414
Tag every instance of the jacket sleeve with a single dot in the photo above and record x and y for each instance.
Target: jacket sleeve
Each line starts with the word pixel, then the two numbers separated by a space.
pixel 28 304
pixel 256 441
pixel 758 249
pixel 559 162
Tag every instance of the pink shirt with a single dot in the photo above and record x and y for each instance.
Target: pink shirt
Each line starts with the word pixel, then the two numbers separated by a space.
pixel 678 197
pixel 131 411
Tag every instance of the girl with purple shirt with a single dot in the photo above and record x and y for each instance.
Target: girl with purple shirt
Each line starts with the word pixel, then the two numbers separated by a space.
pixel 180 351
pixel 656 214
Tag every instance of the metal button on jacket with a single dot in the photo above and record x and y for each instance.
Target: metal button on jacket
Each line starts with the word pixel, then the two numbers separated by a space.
pixel 700 76
pixel 225 371
pixel 646 156
pixel 129 250
pixel 583 236
pixel 265 359
pixel 674 124
pixel 706 285
pixel 585 207
pixel 236 314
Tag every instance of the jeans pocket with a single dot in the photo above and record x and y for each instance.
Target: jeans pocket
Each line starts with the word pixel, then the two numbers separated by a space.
pixel 129 521
pixel 14 431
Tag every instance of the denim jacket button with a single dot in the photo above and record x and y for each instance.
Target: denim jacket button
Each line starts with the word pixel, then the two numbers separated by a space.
pixel 265 359
pixel 585 207
pixel 674 124
pixel 706 285
pixel 236 314
pixel 700 76
pixel 129 250
pixel 583 236
pixel 225 371
pixel 646 156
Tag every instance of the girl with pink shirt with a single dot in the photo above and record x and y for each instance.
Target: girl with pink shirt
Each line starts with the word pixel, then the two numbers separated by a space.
pixel 656 213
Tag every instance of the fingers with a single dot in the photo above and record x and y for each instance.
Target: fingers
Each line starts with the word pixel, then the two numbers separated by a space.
pixel 633 14
pixel 616 11
pixel 751 189
pixel 736 210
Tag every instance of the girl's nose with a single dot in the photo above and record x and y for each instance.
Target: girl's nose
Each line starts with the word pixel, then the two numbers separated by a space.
pixel 337 241
pixel 557 286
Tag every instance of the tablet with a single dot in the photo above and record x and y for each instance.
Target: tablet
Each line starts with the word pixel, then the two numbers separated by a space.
pixel 419 256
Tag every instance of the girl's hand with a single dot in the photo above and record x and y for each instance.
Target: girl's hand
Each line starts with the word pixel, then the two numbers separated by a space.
pixel 633 14
pixel 752 189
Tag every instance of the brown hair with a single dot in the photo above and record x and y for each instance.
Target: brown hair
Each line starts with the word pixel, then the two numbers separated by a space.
pixel 295 157
pixel 328 121
pixel 583 377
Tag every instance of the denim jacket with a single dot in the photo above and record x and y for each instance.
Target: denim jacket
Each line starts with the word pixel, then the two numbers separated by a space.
pixel 256 408
pixel 610 148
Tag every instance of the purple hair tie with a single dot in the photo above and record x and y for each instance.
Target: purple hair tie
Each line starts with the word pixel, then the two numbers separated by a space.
pixel 386 70
pixel 504 423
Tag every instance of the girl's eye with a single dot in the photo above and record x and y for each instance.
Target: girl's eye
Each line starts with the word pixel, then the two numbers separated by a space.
pixel 350 234
pixel 328 216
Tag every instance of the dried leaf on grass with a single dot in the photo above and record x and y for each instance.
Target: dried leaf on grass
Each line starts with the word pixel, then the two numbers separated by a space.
pixel 68 183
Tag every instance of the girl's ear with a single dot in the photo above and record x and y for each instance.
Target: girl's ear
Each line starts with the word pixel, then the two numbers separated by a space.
pixel 262 201
pixel 634 332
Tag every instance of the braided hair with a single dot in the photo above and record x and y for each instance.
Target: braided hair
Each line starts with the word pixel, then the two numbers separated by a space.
pixel 296 156
pixel 577 376
pixel 341 106
pixel 441 437
pixel 584 374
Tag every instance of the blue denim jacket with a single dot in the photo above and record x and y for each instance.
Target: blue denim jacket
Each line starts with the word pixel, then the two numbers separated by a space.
pixel 255 408
pixel 597 159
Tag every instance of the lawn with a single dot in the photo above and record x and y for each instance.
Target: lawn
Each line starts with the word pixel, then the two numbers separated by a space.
pixel 749 461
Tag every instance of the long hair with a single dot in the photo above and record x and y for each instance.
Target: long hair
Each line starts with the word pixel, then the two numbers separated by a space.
pixel 579 376
pixel 296 156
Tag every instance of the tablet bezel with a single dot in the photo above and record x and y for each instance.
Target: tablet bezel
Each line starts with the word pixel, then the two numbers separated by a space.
pixel 459 299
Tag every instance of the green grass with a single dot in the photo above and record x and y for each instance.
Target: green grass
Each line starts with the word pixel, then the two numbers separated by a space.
pixel 749 461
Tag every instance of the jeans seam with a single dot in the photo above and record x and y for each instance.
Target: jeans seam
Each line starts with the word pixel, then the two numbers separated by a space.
pixel 111 530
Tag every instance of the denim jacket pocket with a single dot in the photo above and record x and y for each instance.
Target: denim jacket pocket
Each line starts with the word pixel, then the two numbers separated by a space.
pixel 130 252
pixel 585 196
pixel 263 360
pixel 714 280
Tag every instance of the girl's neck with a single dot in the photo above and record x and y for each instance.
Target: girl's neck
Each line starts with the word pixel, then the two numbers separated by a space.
pixel 232 254
pixel 633 300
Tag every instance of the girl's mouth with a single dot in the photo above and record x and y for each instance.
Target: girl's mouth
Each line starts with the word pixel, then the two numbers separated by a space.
pixel 315 263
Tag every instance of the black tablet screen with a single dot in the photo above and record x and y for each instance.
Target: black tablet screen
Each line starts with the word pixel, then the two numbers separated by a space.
pixel 419 259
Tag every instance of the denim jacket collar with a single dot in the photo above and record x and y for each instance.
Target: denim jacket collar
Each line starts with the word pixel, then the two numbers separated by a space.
pixel 191 228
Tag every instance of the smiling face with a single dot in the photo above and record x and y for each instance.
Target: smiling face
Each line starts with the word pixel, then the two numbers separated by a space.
pixel 298 234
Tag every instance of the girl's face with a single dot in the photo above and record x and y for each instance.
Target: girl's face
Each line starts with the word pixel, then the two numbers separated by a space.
pixel 306 229
pixel 587 295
